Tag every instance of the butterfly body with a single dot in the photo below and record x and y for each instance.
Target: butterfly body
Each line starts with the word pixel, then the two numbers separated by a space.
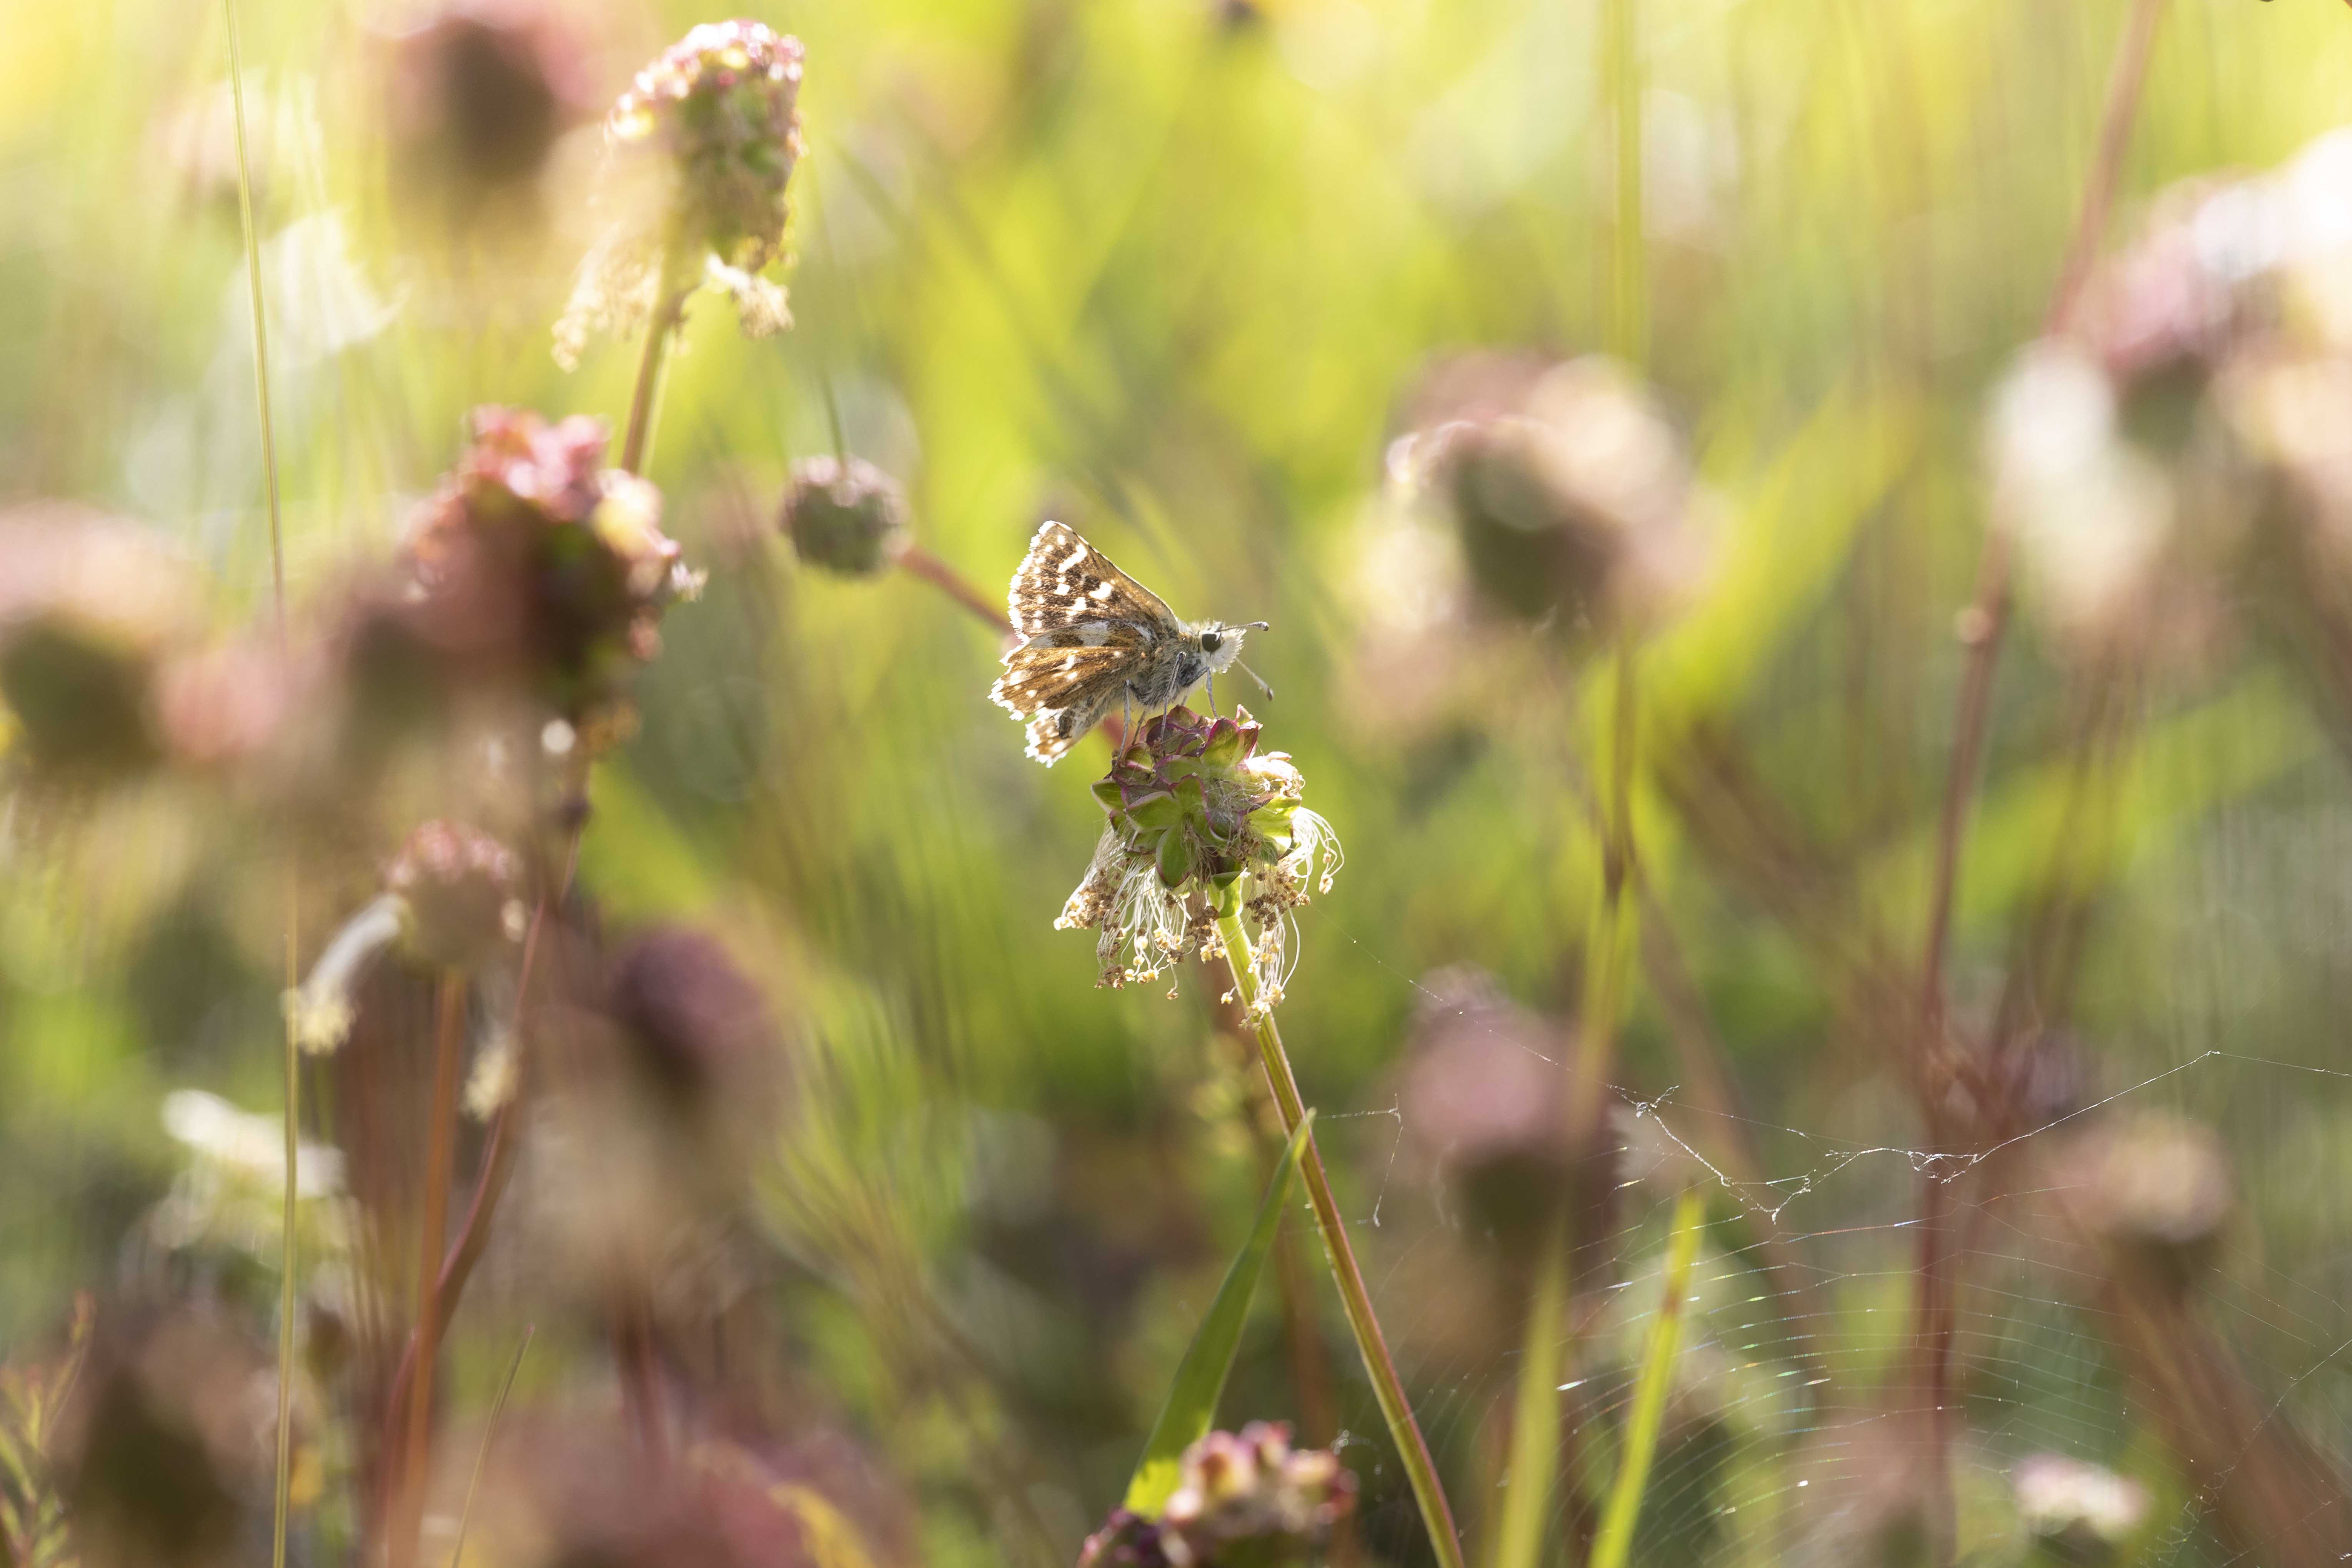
pixel 1093 640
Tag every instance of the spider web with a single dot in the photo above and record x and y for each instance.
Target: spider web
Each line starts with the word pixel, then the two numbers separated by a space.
pixel 1794 1431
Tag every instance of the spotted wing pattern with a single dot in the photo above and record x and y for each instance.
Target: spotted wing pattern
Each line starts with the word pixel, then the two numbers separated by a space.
pixel 1089 630
pixel 1063 582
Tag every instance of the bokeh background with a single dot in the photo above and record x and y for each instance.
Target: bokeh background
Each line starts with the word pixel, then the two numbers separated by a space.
pixel 1177 272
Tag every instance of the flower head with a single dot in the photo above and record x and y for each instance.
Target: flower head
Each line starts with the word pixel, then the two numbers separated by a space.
pixel 1244 1499
pixel 479 93
pixel 2076 1510
pixel 1196 809
pixel 458 885
pixel 534 560
pixel 701 152
pixel 1572 493
pixel 845 515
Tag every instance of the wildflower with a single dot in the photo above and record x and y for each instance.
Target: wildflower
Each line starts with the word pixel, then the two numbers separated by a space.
pixel 1245 1499
pixel 478 93
pixel 1572 493
pixel 230 1193
pixel 699 150
pixel 457 887
pixel 89 608
pixel 845 515
pixel 2076 1511
pixel 536 562
pixel 1201 827
pixel 1485 1101
pixel 448 900
pixel 2155 1191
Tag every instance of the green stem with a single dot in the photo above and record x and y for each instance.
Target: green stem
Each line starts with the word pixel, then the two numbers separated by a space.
pixel 1616 1536
pixel 281 1491
pixel 1534 1411
pixel 653 366
pixel 1354 1299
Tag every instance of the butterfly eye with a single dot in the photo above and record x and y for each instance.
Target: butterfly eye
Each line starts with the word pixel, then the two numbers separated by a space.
pixel 1211 641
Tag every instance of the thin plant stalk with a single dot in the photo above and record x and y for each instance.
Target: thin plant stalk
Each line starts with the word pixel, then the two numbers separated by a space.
pixel 1616 1537
pixel 440 1142
pixel 1626 318
pixel 1534 1411
pixel 1981 627
pixel 1535 1447
pixel 653 372
pixel 282 1487
pixel 913 558
pixel 482 1455
pixel 1436 1514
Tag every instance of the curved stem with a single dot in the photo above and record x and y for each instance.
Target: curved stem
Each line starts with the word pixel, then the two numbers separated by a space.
pixel 914 558
pixel 1354 1299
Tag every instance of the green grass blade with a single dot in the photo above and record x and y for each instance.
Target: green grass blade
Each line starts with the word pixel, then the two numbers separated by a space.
pixel 1192 1404
pixel 1616 1536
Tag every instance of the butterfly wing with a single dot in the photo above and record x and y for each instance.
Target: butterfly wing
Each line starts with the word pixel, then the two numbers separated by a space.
pixel 1062 690
pixel 1065 582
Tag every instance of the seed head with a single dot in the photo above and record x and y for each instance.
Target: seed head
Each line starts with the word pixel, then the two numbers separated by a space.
pixel 534 561
pixel 1200 827
pixel 478 93
pixel 458 886
pixel 1245 1499
pixel 1572 493
pixel 845 515
pixel 2077 1511
pixel 2155 1192
pixel 700 151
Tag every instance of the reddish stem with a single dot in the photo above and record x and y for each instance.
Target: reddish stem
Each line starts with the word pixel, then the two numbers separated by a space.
pixel 914 558
pixel 448 1034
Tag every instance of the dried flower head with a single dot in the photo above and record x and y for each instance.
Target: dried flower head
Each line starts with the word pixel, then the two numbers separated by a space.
pixel 1201 825
pixel 90 607
pixel 701 152
pixel 1571 492
pixel 2155 1192
pixel 534 561
pixel 478 93
pixel 457 886
pixel 845 515
pixel 2076 1511
pixel 1245 1499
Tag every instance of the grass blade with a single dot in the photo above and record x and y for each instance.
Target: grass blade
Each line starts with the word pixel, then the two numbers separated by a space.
pixel 1616 1536
pixel 1535 1414
pixel 1191 1404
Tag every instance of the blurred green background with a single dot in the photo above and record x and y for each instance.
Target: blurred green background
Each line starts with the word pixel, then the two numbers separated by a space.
pixel 1168 270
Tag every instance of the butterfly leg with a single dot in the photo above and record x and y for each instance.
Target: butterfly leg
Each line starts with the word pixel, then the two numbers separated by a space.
pixel 1213 697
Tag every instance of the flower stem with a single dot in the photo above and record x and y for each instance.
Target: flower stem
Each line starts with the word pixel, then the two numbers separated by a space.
pixel 1534 1411
pixel 1436 1515
pixel 440 1139
pixel 652 367
pixel 283 1482
pixel 914 558
pixel 1616 1537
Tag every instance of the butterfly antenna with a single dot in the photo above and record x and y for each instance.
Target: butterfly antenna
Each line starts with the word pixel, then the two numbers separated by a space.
pixel 1254 674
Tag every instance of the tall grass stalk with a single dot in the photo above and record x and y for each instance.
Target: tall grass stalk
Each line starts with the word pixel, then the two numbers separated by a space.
pixel 1981 625
pixel 653 374
pixel 1616 1537
pixel 281 1490
pixel 1535 1412
pixel 1436 1514
pixel 482 1454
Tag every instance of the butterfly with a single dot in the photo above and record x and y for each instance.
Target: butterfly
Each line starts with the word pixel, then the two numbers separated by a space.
pixel 1094 638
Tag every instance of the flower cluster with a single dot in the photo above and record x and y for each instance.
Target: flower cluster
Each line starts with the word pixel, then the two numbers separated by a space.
pixel 1245 1499
pixel 534 560
pixel 1572 493
pixel 1202 827
pixel 845 515
pixel 2193 397
pixel 701 152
